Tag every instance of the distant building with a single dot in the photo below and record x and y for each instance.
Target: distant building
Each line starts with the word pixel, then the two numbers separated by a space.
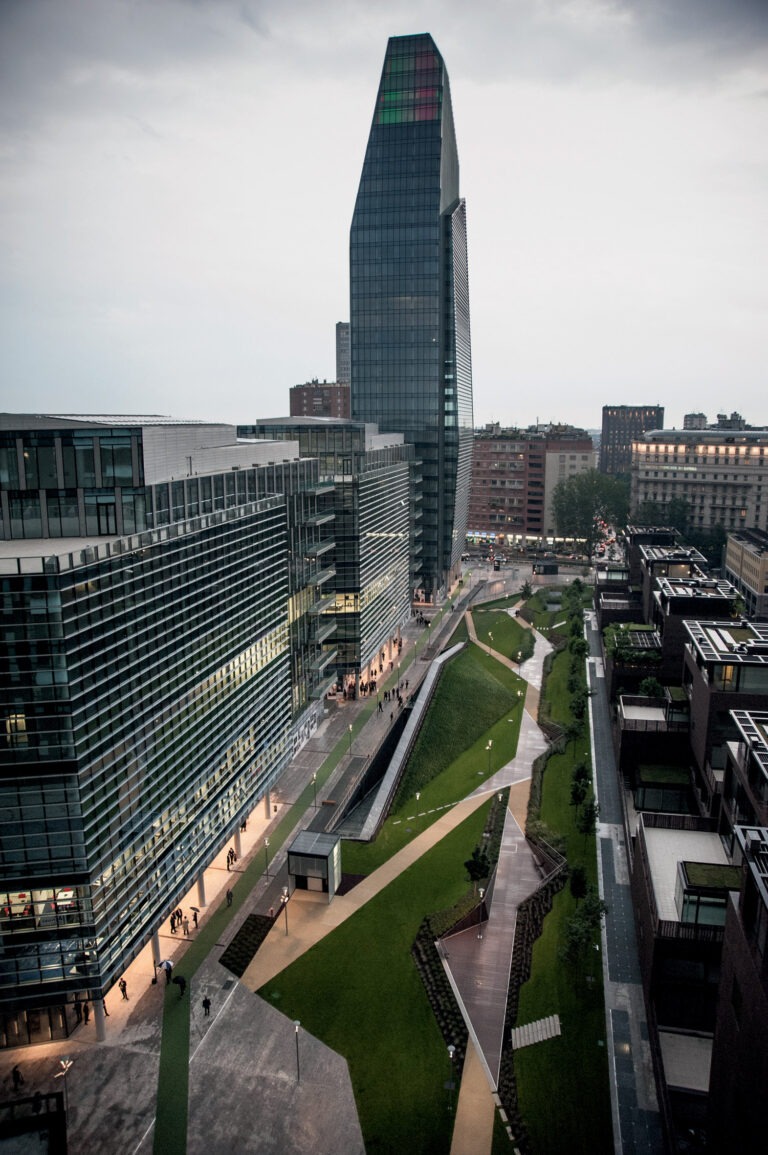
pixel 369 518
pixel 342 353
pixel 514 473
pixel 722 474
pixel 695 421
pixel 320 399
pixel 746 565
pixel 623 424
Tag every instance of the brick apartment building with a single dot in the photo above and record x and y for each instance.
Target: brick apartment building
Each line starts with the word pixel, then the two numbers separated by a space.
pixel 514 473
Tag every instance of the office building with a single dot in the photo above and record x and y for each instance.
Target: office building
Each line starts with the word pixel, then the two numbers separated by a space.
pixel 320 399
pixel 342 353
pixel 514 474
pixel 721 474
pixel 371 512
pixel 746 565
pixel 623 424
pixel 409 293
pixel 160 665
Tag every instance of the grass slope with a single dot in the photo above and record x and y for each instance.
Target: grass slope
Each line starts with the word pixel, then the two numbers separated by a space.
pixel 359 991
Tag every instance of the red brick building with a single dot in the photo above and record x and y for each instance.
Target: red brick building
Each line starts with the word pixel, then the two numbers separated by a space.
pixel 320 399
pixel 514 472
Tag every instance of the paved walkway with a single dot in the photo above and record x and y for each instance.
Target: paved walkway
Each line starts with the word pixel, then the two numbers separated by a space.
pixel 636 1119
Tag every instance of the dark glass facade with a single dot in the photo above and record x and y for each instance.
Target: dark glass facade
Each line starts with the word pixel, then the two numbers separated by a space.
pixel 409 294
pixel 369 515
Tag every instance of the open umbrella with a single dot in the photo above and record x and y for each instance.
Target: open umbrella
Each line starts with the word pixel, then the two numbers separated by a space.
pixel 197 908
pixel 181 983
pixel 166 964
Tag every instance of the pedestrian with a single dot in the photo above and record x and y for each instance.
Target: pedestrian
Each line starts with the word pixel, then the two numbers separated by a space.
pixel 123 988
pixel 229 898
pixel 78 1011
pixel 173 923
pixel 185 925
pixel 179 915
pixel 168 972
pixel 206 1006
pixel 194 918
pixel 182 983
pixel 391 715
pixel 18 1078
pixel 104 1008
pixel 406 683
pixel 229 862
pixel 86 1012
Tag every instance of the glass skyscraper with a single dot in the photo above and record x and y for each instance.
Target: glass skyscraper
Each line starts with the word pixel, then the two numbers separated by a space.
pixel 409 293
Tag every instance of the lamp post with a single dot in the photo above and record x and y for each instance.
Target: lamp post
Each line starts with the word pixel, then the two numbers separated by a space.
pixel 488 748
pixel 296 1025
pixel 490 635
pixel 65 1065
pixel 284 901
pixel 314 787
pixel 450 1084
pixel 266 857
pixel 519 657
pixel 350 738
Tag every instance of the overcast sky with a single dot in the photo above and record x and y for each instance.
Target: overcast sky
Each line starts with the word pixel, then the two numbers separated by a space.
pixel 177 180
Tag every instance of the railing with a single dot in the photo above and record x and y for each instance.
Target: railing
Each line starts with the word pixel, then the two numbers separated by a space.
pixel 651 726
pixel 689 931
pixel 680 822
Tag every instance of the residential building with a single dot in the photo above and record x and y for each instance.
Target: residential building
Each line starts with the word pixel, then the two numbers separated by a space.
pixel 320 399
pixel 343 367
pixel 682 883
pixel 371 509
pixel 725 669
pixel 739 1072
pixel 635 536
pixel 159 669
pixel 746 565
pixel 722 475
pixel 695 421
pixel 745 782
pixel 622 425
pixel 409 294
pixel 514 474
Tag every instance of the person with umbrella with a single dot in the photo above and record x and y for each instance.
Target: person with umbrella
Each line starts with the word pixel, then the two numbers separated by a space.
pixel 167 966
pixel 195 912
pixel 181 982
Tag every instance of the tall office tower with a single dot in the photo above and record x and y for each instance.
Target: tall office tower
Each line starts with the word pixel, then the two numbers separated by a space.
pixel 409 293
pixel 623 424
pixel 342 352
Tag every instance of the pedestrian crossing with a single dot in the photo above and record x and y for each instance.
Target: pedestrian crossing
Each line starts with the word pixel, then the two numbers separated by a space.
pixel 537 1032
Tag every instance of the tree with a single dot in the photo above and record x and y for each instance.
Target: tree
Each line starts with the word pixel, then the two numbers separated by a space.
pixel 478 866
pixel 650 687
pixel 578 792
pixel 526 591
pixel 580 773
pixel 581 502
pixel 586 821
pixel 578 882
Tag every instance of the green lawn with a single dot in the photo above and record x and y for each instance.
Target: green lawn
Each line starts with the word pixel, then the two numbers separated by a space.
pixel 359 991
pixel 474 701
pixel 509 637
pixel 576 1062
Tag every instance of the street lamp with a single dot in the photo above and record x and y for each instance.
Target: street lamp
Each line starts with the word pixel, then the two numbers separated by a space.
pixel 450 1084
pixel 519 657
pixel 314 787
pixel 488 748
pixel 490 635
pixel 266 857
pixel 65 1065
pixel 296 1025
pixel 350 738
pixel 284 901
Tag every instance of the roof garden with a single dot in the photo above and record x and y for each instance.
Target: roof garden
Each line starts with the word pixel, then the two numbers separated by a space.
pixel 713 641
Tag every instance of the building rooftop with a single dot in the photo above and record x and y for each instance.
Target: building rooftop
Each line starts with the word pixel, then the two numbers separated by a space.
pixel 665 848
pixel 672 554
pixel 314 842
pixel 110 420
pixel 753 841
pixel 753 726
pixel 753 539
pixel 740 642
pixel 695 588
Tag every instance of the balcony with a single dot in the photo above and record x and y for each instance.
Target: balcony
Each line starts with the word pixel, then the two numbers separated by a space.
pixel 318 664
pixel 321 547
pixel 324 632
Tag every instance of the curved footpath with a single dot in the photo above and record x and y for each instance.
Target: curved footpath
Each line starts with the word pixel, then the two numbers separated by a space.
pixel 246 1088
